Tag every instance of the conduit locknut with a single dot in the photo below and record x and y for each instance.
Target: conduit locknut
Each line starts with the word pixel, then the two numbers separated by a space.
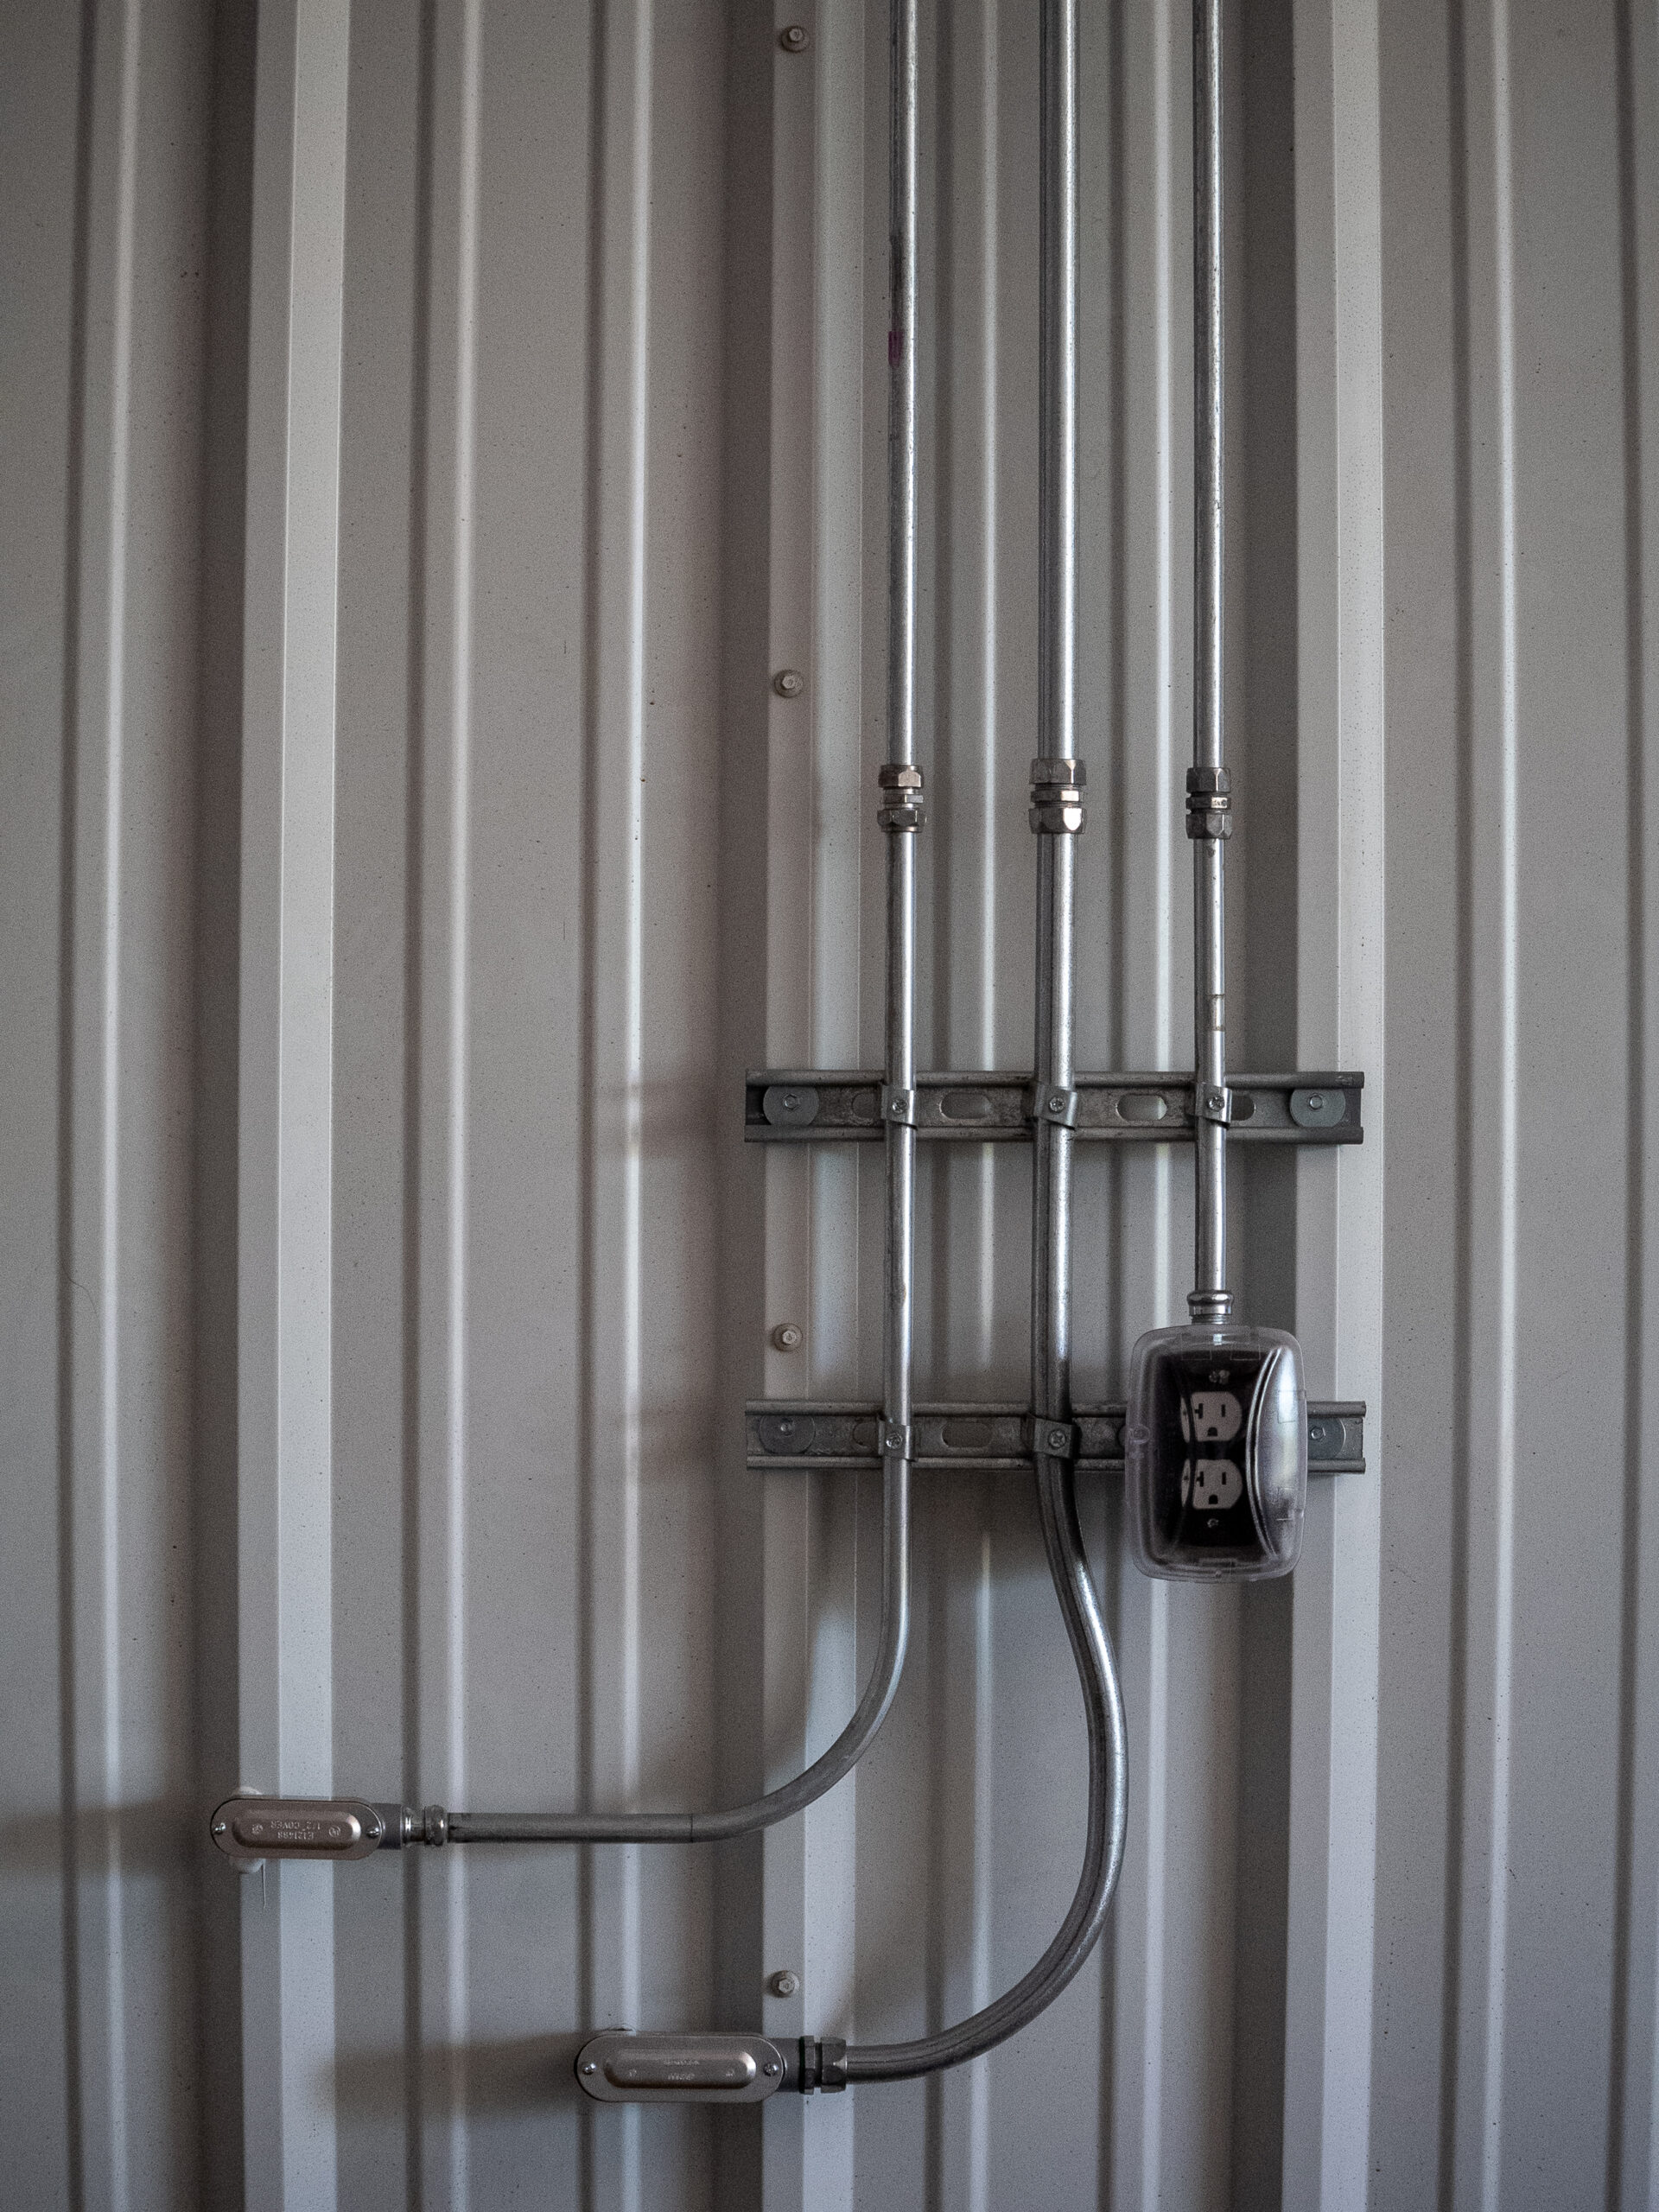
pixel 784 1983
pixel 795 39
pixel 788 682
pixel 1209 803
pixel 1057 788
pixel 902 806
pixel 788 1335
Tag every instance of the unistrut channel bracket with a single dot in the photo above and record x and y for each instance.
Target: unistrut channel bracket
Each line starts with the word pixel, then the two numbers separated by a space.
pixel 788 1432
pixel 832 1105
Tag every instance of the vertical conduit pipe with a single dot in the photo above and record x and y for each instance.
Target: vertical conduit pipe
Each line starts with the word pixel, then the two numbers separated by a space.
pixel 1209 801
pixel 1057 773
pixel 900 812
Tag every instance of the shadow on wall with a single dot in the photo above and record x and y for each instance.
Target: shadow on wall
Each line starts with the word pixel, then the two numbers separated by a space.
pixel 520 2074
pixel 136 1839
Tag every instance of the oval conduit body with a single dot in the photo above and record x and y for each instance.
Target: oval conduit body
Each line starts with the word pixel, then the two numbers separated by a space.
pixel 720 2069
pixel 249 1829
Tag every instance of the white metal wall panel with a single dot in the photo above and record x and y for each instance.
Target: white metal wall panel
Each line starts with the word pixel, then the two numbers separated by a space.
pixel 429 429
pixel 1515 1901
pixel 105 136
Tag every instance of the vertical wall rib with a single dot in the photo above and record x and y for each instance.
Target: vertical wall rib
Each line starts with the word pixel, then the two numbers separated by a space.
pixel 286 1243
pixel 1634 2077
pixel 123 86
pixel 615 767
pixel 95 1351
pixel 439 852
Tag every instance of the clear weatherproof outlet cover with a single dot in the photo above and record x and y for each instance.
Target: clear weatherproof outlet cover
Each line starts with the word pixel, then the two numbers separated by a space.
pixel 1216 1454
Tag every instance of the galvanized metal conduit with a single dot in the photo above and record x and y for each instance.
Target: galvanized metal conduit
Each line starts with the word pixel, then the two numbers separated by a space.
pixel 1058 818
pixel 901 815
pixel 901 812
pixel 763 1812
pixel 1209 803
pixel 1104 1844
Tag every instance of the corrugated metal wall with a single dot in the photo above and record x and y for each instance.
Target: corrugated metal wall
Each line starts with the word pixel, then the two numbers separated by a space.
pixel 427 429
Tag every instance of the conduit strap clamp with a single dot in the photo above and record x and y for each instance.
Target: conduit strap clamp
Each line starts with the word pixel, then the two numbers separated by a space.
pixel 1209 803
pixel 897 1441
pixel 899 1105
pixel 822 2064
pixel 902 805
pixel 1056 807
pixel 1046 1438
pixel 1053 1102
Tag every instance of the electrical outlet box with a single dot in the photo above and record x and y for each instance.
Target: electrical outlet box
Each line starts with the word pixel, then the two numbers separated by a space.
pixel 1216 1454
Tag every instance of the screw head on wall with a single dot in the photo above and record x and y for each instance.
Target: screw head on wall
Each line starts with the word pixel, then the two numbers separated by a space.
pixel 784 1983
pixel 796 39
pixel 788 1335
pixel 789 684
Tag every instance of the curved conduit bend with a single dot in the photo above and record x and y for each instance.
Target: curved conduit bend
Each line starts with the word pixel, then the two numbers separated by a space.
pixel 901 814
